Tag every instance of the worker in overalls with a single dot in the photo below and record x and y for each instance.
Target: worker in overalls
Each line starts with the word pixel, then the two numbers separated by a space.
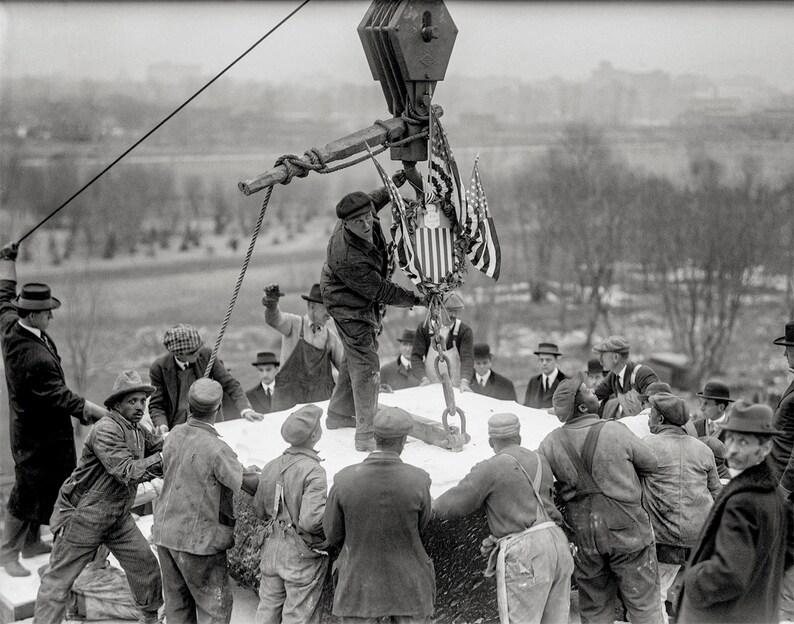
pixel 308 350
pixel 458 340
pixel 627 380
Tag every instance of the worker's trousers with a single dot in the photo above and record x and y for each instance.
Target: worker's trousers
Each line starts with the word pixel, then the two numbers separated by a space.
pixel 356 390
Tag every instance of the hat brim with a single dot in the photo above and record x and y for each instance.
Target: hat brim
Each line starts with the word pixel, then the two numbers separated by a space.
pixel 749 429
pixel 116 396
pixel 547 353
pixel 308 298
pixel 783 342
pixel 714 398
pixel 273 362
pixel 53 303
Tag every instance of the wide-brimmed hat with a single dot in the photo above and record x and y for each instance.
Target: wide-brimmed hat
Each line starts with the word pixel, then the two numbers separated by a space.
pixel 126 382
pixel 716 390
pixel 314 294
pixel 613 344
pixel 786 340
pixel 265 357
pixel 36 298
pixel 547 348
pixel 746 418
pixel 482 351
pixel 182 339
pixel 408 336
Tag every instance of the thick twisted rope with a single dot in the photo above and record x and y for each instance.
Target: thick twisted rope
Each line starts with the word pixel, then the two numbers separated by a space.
pixel 239 283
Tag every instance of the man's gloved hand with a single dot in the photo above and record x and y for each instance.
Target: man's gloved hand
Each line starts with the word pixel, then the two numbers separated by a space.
pixel 272 295
pixel 162 430
pixel 465 386
pixel 425 381
pixel 10 252
pixel 252 416
pixel 488 544
pixel 398 178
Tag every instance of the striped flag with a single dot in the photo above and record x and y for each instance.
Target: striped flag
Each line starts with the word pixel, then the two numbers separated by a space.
pixel 443 177
pixel 434 252
pixel 485 253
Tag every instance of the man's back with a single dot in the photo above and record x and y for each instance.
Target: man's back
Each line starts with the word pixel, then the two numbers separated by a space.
pixel 376 511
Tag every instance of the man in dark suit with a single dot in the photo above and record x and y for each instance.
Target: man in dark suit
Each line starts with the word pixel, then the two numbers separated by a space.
pixel 375 513
pixel 540 388
pixel 261 395
pixel 715 398
pixel 487 381
pixel 396 375
pixel 41 407
pixel 173 373
pixel 626 380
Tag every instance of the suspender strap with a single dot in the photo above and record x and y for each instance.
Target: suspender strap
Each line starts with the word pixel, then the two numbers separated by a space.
pixel 535 483
pixel 587 484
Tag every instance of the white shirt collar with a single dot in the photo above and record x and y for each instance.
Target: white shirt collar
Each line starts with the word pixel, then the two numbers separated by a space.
pixel 271 386
pixel 32 330
pixel 550 378
pixel 182 365
pixel 484 378
pixel 405 361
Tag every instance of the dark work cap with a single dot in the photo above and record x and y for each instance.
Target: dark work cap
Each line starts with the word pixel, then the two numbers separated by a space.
pixel 671 407
pixel 205 395
pixel 564 399
pixel 300 424
pixel 503 426
pixel 353 204
pixel 392 422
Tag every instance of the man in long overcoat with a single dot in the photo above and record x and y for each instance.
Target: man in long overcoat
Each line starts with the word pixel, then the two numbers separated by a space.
pixel 735 571
pixel 375 513
pixel 41 407
pixel 398 374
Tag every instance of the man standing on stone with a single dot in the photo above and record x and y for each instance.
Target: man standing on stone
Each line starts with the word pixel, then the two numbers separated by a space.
pixel 515 488
pixel 355 285
pixel 291 498
pixel 40 407
pixel 308 349
pixel 626 380
pixel 173 373
pixel 598 464
pixel 375 513
pixel 194 518
pixel 94 504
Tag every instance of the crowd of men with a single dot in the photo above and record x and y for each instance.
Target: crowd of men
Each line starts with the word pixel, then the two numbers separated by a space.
pixel 633 521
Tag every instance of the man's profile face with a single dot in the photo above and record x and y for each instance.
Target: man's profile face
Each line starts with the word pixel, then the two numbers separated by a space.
pixel 361 225
pixel 482 366
pixel 789 355
pixel 131 406
pixel 40 320
pixel 267 373
pixel 711 409
pixel 547 363
pixel 744 450
pixel 608 360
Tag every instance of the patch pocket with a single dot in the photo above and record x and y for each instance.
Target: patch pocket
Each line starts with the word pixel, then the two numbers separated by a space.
pixel 87 525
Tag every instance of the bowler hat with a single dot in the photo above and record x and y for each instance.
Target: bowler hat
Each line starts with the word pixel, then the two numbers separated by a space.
pixel 408 336
pixel 564 399
pixel 314 294
pixel 503 426
pixel 594 367
pixel 353 204
pixel 482 351
pixel 547 348
pixel 746 418
pixel 265 357
pixel 205 395
pixel 36 298
pixel 655 388
pixel 392 422
pixel 300 424
pixel 786 340
pixel 671 407
pixel 613 344
pixel 127 382
pixel 716 390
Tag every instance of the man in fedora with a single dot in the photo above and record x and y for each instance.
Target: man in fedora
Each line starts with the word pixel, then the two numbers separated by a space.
pixel 310 351
pixel 626 380
pixel 486 380
pixel 194 518
pixel 94 504
pixel 735 571
pixel 291 499
pixel 540 388
pixel 715 398
pixel 376 513
pixel 356 287
pixel 44 454
pixel 515 489
pixel 261 395
pixel 396 375
pixel 173 373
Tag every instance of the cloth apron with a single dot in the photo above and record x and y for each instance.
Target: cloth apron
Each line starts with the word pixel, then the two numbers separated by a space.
pixel 452 355
pixel 630 402
pixel 305 377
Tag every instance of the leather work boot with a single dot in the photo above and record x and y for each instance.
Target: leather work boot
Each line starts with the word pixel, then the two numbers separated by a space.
pixel 39 548
pixel 339 422
pixel 14 568
pixel 366 445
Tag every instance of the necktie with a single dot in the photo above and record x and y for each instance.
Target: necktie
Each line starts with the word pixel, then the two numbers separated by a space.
pixel 267 392
pixel 482 382
pixel 545 385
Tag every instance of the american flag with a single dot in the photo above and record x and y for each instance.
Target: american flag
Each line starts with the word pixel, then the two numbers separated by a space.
pixel 443 176
pixel 434 252
pixel 485 253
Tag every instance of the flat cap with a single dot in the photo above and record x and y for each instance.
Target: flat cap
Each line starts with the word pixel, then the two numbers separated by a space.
pixel 392 422
pixel 182 339
pixel 655 388
pixel 613 344
pixel 564 399
pixel 453 302
pixel 205 395
pixel 353 204
pixel 503 426
pixel 300 424
pixel 671 407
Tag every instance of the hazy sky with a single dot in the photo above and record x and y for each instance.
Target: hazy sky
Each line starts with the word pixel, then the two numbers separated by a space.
pixel 532 40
